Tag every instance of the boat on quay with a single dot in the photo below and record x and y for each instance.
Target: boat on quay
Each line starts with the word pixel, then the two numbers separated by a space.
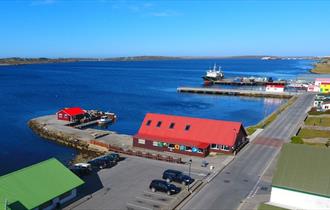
pixel 213 75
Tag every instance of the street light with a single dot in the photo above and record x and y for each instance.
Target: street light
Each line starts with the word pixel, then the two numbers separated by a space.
pixel 189 162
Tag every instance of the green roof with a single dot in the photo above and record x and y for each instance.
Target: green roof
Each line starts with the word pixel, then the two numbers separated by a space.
pixel 303 168
pixel 269 207
pixel 32 186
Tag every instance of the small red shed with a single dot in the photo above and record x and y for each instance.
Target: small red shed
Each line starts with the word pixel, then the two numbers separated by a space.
pixel 70 114
pixel 187 135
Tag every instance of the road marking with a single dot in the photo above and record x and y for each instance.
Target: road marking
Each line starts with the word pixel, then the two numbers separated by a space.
pixel 162 195
pixel 194 173
pixel 140 207
pixel 255 188
pixel 163 203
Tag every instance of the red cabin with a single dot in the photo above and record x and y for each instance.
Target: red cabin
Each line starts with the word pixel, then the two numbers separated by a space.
pixel 190 136
pixel 70 114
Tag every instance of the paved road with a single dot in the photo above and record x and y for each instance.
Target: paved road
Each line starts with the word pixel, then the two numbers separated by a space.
pixel 241 178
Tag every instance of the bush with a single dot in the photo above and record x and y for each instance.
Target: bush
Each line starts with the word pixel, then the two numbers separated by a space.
pixel 296 140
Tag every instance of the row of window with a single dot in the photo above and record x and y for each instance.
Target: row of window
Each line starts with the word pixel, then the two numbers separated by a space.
pixel 220 147
pixel 60 115
pixel 159 123
pixel 172 146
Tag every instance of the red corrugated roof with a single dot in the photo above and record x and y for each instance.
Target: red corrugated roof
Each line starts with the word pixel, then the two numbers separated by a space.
pixel 203 131
pixel 73 111
pixel 275 85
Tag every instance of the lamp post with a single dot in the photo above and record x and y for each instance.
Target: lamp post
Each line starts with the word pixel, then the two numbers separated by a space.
pixel 189 162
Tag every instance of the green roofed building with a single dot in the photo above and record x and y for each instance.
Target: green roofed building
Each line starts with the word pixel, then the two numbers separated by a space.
pixel 302 178
pixel 45 185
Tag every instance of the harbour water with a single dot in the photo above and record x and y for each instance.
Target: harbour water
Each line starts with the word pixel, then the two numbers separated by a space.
pixel 130 89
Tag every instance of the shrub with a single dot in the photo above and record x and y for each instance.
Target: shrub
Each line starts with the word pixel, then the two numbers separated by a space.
pixel 296 140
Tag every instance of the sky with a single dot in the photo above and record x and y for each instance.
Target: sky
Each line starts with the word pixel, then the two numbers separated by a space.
pixel 111 28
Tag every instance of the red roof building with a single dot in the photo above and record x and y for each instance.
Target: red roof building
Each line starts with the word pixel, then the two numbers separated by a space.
pixel 275 87
pixel 70 114
pixel 187 135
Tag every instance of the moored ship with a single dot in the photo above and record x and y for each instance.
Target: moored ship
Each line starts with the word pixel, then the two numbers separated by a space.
pixel 213 75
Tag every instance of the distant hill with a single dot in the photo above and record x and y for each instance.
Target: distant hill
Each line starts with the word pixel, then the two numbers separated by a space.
pixel 21 61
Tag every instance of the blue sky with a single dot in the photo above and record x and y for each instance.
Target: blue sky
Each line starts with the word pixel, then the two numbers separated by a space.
pixel 107 28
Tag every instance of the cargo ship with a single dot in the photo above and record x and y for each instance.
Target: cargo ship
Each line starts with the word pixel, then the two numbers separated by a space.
pixel 213 75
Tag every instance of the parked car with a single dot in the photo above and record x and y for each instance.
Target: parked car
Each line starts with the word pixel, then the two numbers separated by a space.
pixel 100 163
pixel 81 169
pixel 163 186
pixel 115 156
pixel 177 176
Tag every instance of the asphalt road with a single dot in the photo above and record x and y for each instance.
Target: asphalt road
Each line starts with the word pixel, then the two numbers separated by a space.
pixel 241 178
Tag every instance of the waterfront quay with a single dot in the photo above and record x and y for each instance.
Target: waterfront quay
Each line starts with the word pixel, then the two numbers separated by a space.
pixel 237 92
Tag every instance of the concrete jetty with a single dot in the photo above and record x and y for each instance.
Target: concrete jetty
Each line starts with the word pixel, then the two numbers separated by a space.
pixel 49 127
pixel 236 92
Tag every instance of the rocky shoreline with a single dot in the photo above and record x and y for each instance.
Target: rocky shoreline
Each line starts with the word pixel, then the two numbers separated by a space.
pixel 85 152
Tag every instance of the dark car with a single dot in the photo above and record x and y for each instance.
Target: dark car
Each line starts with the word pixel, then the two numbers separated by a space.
pixel 163 186
pixel 177 176
pixel 100 163
pixel 80 170
pixel 113 156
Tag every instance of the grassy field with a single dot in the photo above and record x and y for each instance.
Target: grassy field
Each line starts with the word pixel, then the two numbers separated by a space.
pixel 318 121
pixel 310 133
pixel 251 129
pixel 269 207
pixel 323 67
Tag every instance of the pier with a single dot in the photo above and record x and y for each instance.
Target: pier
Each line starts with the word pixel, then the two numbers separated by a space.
pixel 237 92
pixel 246 82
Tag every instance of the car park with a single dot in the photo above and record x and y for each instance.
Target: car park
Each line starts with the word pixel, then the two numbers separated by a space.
pixel 163 186
pixel 177 176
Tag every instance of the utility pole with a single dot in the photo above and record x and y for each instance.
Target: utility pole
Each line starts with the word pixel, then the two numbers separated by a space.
pixel 190 161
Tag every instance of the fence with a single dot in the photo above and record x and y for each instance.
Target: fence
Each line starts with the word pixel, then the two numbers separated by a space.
pixel 149 155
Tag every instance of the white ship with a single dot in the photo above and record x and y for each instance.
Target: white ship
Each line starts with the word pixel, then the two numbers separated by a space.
pixel 214 74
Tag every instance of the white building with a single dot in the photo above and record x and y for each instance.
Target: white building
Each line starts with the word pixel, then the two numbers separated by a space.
pixel 319 81
pixel 274 88
pixel 302 178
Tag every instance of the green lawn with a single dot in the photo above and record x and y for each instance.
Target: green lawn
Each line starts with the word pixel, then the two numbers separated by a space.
pixel 269 207
pixel 310 133
pixel 318 121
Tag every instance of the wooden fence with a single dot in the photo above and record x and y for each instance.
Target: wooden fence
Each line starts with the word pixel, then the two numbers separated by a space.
pixel 149 155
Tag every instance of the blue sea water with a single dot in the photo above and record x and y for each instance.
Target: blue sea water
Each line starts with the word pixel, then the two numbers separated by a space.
pixel 130 89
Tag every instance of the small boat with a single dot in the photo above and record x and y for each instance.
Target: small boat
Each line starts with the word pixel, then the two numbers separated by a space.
pixel 214 74
pixel 107 118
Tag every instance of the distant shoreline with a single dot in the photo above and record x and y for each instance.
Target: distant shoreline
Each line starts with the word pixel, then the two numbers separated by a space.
pixel 26 61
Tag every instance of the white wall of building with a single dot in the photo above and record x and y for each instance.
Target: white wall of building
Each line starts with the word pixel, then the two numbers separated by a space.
pixel 274 89
pixel 298 200
pixel 62 201
pixel 326 106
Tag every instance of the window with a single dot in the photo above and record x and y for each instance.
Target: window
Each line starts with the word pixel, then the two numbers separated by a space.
pixel 224 148
pixel 159 124
pixel 155 143
pixel 171 146
pixel 65 195
pixel 142 141
pixel 188 149
pixel 60 115
pixel 187 127
pixel 214 146
pixel 148 123
pixel 172 125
